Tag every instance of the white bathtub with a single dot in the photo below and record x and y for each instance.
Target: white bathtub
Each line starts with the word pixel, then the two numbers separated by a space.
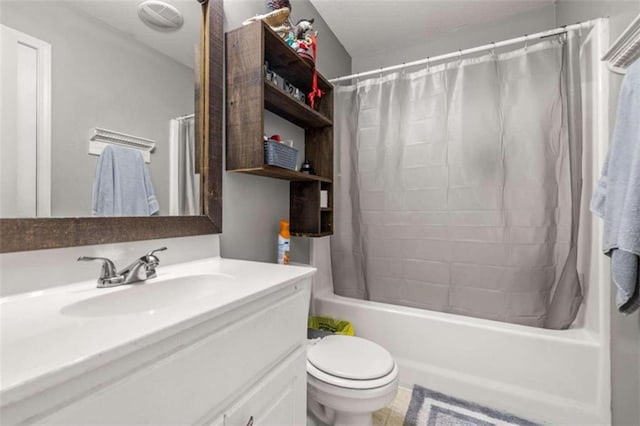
pixel 550 376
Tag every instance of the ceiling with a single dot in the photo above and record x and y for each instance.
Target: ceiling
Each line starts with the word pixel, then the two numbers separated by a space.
pixel 122 15
pixel 368 26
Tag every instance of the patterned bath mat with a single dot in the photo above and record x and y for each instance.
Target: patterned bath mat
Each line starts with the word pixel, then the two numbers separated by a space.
pixel 430 408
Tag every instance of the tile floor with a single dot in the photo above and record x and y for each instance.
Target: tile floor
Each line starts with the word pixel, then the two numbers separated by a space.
pixel 393 414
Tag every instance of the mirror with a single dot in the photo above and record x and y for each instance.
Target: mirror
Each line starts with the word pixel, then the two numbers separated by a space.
pixel 80 76
pixel 32 233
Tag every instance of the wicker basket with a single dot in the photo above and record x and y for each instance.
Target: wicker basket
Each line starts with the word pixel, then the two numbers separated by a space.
pixel 279 154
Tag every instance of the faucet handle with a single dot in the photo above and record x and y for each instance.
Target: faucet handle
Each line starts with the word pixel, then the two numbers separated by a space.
pixel 108 273
pixel 151 261
pixel 155 251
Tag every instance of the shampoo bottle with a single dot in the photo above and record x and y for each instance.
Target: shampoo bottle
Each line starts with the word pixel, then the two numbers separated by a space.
pixel 284 239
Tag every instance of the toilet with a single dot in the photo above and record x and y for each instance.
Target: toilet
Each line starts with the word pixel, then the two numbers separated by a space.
pixel 348 378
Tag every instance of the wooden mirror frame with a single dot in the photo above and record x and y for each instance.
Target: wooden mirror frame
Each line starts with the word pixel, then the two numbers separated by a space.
pixel 46 233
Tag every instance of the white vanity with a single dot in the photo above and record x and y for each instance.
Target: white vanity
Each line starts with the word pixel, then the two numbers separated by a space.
pixel 211 342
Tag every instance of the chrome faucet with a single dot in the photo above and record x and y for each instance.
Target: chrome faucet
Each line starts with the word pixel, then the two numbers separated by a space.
pixel 142 269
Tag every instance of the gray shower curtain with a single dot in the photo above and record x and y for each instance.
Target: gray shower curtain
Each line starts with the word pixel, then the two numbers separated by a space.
pixel 458 186
pixel 188 193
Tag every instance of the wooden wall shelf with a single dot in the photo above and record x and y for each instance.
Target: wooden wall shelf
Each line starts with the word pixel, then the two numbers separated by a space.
pixel 249 94
pixel 316 235
pixel 280 173
pixel 286 106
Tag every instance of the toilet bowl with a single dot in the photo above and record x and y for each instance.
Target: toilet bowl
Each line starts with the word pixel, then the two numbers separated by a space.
pixel 348 378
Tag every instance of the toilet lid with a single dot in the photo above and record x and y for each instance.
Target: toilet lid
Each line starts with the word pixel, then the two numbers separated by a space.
pixel 350 358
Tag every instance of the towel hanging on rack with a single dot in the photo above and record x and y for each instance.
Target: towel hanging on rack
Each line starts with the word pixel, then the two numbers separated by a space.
pixel 123 185
pixel 616 199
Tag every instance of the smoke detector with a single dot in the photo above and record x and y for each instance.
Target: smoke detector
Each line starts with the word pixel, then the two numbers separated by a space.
pixel 160 15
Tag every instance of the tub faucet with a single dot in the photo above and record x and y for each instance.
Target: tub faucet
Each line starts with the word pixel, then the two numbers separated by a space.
pixel 142 269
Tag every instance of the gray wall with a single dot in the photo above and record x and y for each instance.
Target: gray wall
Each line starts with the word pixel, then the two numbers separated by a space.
pixel 466 37
pixel 625 330
pixel 253 206
pixel 101 78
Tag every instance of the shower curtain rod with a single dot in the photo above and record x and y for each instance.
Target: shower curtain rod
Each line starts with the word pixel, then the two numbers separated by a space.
pixel 185 117
pixel 428 60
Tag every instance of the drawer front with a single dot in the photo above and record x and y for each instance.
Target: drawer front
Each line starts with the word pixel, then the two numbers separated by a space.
pixel 203 378
pixel 280 399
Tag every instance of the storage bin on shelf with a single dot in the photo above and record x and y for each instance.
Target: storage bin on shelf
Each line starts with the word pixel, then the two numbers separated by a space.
pixel 279 154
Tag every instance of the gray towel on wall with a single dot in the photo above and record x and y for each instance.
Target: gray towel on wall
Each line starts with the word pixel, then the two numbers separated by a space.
pixel 617 196
pixel 123 185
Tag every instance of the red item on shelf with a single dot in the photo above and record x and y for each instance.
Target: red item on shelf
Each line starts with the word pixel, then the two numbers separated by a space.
pixel 315 91
pixel 276 138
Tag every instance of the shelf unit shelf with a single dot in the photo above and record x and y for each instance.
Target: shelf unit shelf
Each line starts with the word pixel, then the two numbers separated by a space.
pixel 280 173
pixel 249 94
pixel 312 235
pixel 286 106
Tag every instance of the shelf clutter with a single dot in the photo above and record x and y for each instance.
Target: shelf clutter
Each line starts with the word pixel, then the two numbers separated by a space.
pixel 252 88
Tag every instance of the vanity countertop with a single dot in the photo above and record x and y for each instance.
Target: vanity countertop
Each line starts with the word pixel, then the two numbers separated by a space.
pixel 52 335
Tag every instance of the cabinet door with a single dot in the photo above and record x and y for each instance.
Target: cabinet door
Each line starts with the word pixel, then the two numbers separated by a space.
pixel 279 399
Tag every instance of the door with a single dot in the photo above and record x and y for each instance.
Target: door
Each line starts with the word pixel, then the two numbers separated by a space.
pixel 280 399
pixel 25 122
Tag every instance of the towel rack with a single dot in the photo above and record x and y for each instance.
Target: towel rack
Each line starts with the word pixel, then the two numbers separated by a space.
pixel 100 138
pixel 626 49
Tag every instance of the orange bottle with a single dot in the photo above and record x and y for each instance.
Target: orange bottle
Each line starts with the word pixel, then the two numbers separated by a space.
pixel 284 242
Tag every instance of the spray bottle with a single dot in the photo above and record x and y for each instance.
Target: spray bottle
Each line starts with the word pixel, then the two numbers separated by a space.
pixel 284 240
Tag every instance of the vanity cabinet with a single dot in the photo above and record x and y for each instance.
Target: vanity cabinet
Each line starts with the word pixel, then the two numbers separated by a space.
pixel 244 366
pixel 275 399
pixel 249 93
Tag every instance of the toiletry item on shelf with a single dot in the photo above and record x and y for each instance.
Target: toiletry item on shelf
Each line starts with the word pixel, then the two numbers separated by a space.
pixel 300 96
pixel 306 167
pixel 276 138
pixel 324 199
pixel 284 241
pixel 289 88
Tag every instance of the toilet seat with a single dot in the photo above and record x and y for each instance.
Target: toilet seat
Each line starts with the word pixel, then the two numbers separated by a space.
pixel 350 383
pixel 350 362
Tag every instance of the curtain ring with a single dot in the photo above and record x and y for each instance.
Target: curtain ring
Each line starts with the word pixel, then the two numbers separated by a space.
pixel 493 48
pixel 380 72
pixel 428 63
pixel 526 42
pixel 460 55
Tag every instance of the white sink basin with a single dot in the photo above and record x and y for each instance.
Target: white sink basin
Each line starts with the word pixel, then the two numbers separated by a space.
pixel 151 296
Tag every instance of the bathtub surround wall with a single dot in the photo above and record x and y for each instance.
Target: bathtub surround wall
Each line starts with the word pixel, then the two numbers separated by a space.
pixel 92 60
pixel 253 206
pixel 625 329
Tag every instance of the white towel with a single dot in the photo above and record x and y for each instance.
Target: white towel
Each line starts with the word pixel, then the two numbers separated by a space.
pixel 617 196
pixel 123 185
